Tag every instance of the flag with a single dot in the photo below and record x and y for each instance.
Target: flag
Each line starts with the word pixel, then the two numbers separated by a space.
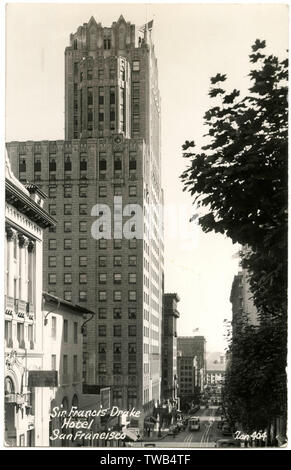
pixel 148 26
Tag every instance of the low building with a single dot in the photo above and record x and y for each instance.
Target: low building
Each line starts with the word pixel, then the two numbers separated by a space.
pixel 64 325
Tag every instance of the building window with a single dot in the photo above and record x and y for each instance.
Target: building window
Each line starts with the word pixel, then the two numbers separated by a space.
pixel 102 191
pixel 132 278
pixel 117 296
pixel 132 190
pixel 132 295
pixel 83 226
pixel 82 243
pixel 102 348
pixel 83 296
pixel 132 368
pixel 52 278
pixel 67 261
pixel 68 295
pixel 102 330
pixel 102 261
pixel 117 313
pixel 100 77
pixel 135 66
pixel 54 362
pixel 52 209
pixel 117 368
pixel 102 313
pixel 68 163
pixel 90 77
pixel 67 278
pixel 132 330
pixel 132 260
pixel 102 296
pixel 54 327
pixel 131 348
pixel 52 261
pixel 132 243
pixel 117 278
pixel 102 278
pixel 68 209
pixel 68 191
pixel 66 327
pixel 67 244
pixel 67 226
pixel 117 330
pixel 65 365
pixel 102 244
pixel 83 191
pixel 117 244
pixel 83 209
pixel 117 260
pixel 132 313
pixel 52 192
pixel 83 278
pixel 82 260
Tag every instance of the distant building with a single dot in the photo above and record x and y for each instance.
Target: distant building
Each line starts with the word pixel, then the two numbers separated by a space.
pixel 169 346
pixel 187 380
pixel 195 346
pixel 26 419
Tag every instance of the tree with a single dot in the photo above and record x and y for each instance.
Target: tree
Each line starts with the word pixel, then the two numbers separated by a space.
pixel 239 178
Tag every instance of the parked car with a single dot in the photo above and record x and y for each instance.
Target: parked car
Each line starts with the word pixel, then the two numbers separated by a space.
pixel 227 443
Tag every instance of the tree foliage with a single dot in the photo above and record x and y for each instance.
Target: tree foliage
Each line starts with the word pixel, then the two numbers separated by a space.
pixel 240 179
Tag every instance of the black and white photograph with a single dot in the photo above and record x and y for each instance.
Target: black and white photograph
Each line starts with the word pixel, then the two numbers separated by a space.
pixel 145 161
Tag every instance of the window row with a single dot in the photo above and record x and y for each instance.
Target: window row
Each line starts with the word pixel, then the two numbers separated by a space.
pixel 117 348
pixel 117 330
pixel 117 368
pixel 102 243
pixel 83 276
pixel 69 333
pixel 117 296
pixel 117 313
pixel 102 262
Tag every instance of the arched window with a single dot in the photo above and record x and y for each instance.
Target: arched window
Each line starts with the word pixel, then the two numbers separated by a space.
pixel 75 401
pixel 9 386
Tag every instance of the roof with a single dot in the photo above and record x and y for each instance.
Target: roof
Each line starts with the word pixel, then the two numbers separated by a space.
pixel 58 300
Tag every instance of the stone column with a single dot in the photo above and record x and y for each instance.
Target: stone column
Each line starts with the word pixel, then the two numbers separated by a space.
pixel 30 290
pixel 11 236
pixel 23 267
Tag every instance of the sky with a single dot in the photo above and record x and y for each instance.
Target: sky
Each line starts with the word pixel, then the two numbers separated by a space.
pixel 193 42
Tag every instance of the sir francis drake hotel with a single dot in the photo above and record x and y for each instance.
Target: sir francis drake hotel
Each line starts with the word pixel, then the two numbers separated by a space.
pixel 108 167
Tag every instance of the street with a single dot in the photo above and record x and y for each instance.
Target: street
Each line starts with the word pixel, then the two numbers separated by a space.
pixel 205 437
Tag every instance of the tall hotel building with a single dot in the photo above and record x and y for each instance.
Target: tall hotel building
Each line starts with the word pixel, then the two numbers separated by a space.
pixel 111 149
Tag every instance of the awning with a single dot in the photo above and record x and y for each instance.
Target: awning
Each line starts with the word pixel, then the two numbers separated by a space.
pixel 130 435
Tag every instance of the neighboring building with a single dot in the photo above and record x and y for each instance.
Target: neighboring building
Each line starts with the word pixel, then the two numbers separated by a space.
pixel 187 380
pixel 195 346
pixel 63 347
pixel 169 346
pixel 112 113
pixel 26 417
pixel 243 308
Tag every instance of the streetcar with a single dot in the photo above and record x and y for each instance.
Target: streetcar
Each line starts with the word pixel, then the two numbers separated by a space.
pixel 194 424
